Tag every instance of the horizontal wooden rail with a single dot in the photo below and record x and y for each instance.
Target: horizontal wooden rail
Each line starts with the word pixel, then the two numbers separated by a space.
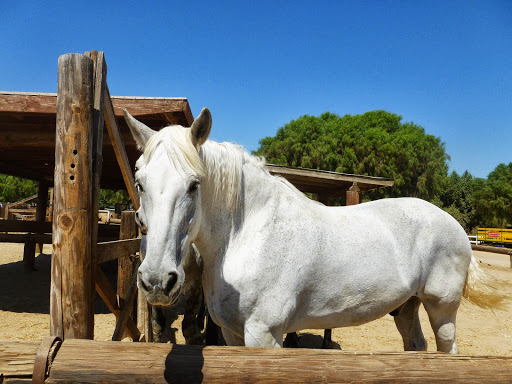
pixel 25 226
pixel 111 250
pixel 24 237
pixel 488 248
pixel 87 361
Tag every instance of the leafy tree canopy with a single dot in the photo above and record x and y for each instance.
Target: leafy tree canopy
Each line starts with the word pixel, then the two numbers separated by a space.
pixel 495 197
pixel 375 143
pixel 13 188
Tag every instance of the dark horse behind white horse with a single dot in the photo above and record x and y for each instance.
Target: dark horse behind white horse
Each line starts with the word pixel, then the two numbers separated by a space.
pixel 277 262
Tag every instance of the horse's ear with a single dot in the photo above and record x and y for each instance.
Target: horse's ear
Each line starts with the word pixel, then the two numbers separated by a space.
pixel 201 127
pixel 140 132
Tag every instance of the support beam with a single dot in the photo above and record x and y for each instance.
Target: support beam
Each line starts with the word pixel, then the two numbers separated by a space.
pixel 127 265
pixel 353 195
pixel 119 149
pixel 108 295
pixel 71 295
pixel 87 361
pixel 42 203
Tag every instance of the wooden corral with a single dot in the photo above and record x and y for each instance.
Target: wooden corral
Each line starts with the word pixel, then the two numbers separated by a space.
pixel 75 141
pixel 86 361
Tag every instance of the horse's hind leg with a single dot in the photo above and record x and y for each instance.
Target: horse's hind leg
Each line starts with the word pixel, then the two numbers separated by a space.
pixel 442 316
pixel 408 323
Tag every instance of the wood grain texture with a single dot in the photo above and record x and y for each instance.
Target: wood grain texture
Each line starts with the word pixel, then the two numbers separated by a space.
pixel 87 361
pixel 120 151
pixel 71 304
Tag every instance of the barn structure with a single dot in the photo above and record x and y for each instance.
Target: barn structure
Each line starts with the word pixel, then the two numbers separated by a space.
pixel 77 141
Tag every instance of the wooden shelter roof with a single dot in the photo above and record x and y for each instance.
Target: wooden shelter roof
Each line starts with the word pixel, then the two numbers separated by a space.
pixel 27 142
pixel 330 184
pixel 28 126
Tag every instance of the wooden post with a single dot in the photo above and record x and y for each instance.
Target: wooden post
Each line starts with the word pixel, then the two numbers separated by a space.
pixel 50 206
pixel 143 307
pixel 71 295
pixel 42 202
pixel 353 195
pixel 126 265
pixel 29 252
pixel 99 86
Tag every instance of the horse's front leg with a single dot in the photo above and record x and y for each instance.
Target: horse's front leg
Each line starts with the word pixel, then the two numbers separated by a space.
pixel 257 334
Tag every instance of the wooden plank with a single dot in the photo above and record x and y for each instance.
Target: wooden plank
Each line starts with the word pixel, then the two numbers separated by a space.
pixel 100 83
pixel 87 361
pixel 29 255
pixel 333 184
pixel 126 270
pixel 126 313
pixel 71 304
pixel 108 295
pixel 46 103
pixel 12 205
pixel 17 359
pixel 111 250
pixel 28 102
pixel 119 149
pixel 42 203
pixel 21 238
pixel 488 248
pixel 25 226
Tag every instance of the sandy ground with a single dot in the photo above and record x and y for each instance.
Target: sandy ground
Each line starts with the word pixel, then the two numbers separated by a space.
pixel 24 312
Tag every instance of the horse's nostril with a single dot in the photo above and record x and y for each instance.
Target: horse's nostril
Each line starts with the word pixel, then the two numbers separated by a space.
pixel 144 286
pixel 173 277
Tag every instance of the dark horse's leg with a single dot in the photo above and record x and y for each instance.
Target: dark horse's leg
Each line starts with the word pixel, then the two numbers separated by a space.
pixel 193 318
pixel 327 343
pixel 291 340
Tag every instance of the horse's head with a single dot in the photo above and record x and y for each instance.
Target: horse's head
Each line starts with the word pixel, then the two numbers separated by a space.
pixel 168 177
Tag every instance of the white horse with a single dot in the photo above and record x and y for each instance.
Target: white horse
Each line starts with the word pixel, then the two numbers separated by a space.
pixel 277 262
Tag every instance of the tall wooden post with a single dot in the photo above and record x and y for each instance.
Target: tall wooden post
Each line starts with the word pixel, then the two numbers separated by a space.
pixel 71 297
pixel 42 203
pixel 126 265
pixel 353 195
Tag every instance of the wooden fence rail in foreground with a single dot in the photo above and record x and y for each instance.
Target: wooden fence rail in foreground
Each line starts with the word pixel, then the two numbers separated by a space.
pixel 488 248
pixel 87 361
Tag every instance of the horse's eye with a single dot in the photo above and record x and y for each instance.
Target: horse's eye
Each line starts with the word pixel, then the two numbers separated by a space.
pixel 193 186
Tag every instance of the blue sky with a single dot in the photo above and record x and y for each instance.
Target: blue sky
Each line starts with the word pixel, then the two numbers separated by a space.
pixel 444 65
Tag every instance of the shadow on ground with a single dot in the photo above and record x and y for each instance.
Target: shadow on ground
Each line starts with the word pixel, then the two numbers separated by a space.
pixel 24 292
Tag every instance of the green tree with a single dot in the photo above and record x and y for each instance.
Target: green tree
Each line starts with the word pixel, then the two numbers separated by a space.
pixel 458 197
pixel 109 197
pixel 494 198
pixel 375 143
pixel 13 188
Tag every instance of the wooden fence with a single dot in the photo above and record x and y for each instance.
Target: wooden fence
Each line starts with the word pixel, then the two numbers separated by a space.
pixel 87 361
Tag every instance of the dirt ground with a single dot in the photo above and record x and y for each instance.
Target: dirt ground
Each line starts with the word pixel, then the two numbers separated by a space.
pixel 24 312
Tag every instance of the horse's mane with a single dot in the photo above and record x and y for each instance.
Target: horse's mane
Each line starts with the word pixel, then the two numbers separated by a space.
pixel 219 165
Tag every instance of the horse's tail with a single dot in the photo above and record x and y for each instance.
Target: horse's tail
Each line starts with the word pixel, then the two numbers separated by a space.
pixel 479 288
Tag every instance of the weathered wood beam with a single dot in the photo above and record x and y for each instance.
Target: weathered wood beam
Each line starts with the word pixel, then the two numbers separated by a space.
pixel 126 313
pixel 24 237
pixel 100 84
pixel 71 296
pixel 46 103
pixel 119 149
pixel 87 361
pixel 28 102
pixel 25 226
pixel 42 203
pixel 108 295
pixel 111 250
pixel 126 273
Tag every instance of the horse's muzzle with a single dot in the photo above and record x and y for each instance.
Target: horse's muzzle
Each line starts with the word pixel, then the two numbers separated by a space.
pixel 158 291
